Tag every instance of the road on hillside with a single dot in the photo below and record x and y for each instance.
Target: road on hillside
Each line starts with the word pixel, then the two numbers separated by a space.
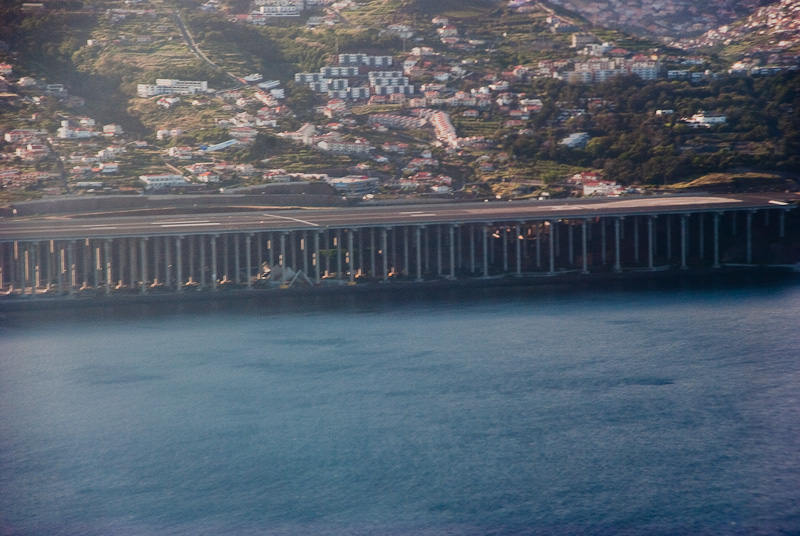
pixel 199 53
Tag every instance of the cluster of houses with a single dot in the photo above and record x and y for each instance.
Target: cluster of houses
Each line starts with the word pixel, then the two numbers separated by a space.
pixel 778 20
pixel 590 184
pixel 28 144
pixel 665 17
pixel 102 162
pixel 13 179
pixel 263 12
pixel 83 127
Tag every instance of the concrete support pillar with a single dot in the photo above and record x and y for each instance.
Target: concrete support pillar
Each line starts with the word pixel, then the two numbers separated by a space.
pixel 617 237
pixel 156 259
pixel 734 217
pixel 107 256
pixel 305 253
pixel 551 242
pixel 192 259
pixel 701 244
pixel 121 254
pixel 603 247
pixel 518 241
pixel 167 262
pixel 283 257
pixel 684 240
pixel 452 252
pixel 373 254
pixel 96 265
pixel 36 269
pixel 504 237
pixel 293 243
pixel 766 218
pixel 555 231
pixel 203 258
pixel 51 263
pixel 328 250
pixel 338 254
pixel 486 250
pixel 271 248
pixel 259 252
pixel 351 256
pixel 214 262
pixel 87 261
pixel 248 258
pixel 385 249
pixel 491 249
pixel 143 261
pixel 317 260
pixel 62 268
pixel 571 245
pixel 71 267
pixel 225 257
pixel 584 246
pixel 669 238
pixel 16 272
pixel 439 270
pixel 716 240
pixel 473 263
pixel 749 237
pixel 782 224
pixel 132 263
pixel 636 239
pixel 459 248
pixel 237 261
pixel 426 248
pixel 407 269
pixel 419 253
pixel 539 244
pixel 178 264
pixel 650 242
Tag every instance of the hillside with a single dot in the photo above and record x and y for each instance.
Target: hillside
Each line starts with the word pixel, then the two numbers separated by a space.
pixel 484 98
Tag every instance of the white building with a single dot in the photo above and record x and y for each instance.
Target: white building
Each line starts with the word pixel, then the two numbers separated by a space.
pixel 168 86
pixel 576 140
pixel 705 120
pixel 354 185
pixel 164 180
pixel 358 147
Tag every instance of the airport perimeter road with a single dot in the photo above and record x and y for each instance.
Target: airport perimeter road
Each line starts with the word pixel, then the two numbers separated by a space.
pixel 80 227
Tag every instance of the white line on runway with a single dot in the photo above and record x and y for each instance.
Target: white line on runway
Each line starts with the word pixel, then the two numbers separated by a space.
pixel 99 226
pixel 188 224
pixel 292 219
pixel 103 228
pixel 178 222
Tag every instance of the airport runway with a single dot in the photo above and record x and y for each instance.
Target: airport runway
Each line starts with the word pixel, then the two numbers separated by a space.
pixel 79 226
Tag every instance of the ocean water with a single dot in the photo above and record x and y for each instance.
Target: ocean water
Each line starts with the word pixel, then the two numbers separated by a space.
pixel 652 410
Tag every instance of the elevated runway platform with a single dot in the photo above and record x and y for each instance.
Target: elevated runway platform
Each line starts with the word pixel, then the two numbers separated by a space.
pixel 71 253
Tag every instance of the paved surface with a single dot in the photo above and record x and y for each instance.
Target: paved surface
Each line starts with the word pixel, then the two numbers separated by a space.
pixel 79 227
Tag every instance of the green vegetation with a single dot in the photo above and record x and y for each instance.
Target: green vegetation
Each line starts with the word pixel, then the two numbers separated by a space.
pixel 633 145
pixel 735 181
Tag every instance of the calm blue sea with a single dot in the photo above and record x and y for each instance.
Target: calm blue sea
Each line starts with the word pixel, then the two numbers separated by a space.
pixel 648 410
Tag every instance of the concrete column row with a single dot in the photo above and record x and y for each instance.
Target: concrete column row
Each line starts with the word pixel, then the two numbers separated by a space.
pixel 378 253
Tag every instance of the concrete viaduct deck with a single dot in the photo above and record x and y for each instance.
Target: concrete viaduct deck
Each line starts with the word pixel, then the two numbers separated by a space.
pixel 68 254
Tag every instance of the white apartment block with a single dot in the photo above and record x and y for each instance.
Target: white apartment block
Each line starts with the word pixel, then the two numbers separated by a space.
pixel 163 180
pixel 365 59
pixel 167 86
